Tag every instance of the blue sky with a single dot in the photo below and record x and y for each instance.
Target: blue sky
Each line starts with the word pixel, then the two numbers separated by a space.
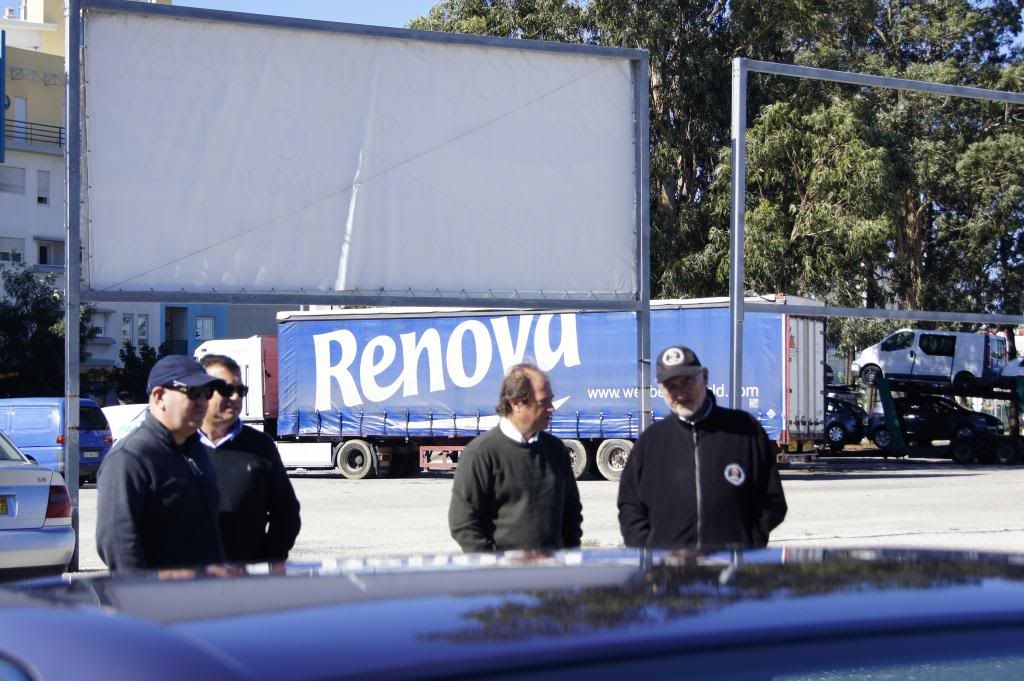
pixel 376 12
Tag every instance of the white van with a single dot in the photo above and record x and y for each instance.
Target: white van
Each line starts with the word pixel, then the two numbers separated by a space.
pixel 962 359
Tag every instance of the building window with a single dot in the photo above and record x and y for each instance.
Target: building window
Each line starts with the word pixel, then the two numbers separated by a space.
pixel 20 128
pixel 11 249
pixel 204 328
pixel 50 252
pixel 99 322
pixel 142 329
pixel 12 180
pixel 127 324
pixel 43 187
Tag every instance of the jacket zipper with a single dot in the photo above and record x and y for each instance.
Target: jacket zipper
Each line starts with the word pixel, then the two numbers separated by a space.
pixel 696 482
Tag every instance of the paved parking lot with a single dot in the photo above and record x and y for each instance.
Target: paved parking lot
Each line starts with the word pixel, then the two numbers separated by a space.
pixel 839 502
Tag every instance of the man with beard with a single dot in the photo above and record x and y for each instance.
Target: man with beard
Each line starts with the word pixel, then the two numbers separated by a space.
pixel 259 513
pixel 705 476
pixel 157 490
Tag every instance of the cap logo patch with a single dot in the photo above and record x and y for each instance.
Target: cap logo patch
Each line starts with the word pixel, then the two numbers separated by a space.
pixel 735 474
pixel 672 357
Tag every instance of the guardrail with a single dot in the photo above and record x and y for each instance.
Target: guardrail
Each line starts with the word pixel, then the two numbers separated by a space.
pixel 35 133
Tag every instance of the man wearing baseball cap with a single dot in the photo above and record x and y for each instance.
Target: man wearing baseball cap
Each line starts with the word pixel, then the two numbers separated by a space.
pixel 705 476
pixel 157 490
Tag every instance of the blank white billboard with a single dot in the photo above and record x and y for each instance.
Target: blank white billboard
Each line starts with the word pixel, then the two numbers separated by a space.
pixel 230 157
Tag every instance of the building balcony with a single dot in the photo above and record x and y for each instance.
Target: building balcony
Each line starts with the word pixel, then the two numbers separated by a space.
pixel 28 136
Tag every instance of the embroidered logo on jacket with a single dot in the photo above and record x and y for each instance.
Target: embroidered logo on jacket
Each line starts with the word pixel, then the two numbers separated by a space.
pixel 735 474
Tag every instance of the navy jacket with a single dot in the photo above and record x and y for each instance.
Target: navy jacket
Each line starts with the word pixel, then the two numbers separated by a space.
pixel 157 502
pixel 259 513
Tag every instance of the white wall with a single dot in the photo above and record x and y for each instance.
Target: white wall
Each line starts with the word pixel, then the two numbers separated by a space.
pixel 245 158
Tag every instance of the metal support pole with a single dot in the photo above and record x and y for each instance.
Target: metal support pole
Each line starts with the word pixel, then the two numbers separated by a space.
pixel 737 232
pixel 641 141
pixel 72 261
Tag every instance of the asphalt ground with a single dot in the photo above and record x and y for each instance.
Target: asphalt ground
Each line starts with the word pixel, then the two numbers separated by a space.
pixel 850 501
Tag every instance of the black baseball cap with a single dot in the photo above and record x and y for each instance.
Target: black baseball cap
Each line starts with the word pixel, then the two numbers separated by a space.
pixel 677 360
pixel 178 370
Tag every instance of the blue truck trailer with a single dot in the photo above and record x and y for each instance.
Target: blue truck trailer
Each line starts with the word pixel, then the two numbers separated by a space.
pixel 392 391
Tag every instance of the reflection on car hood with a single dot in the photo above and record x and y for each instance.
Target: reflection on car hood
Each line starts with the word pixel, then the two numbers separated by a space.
pixel 438 615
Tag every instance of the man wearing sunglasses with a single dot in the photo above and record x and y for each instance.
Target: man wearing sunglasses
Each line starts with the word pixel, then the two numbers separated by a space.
pixel 259 513
pixel 157 492
pixel 704 476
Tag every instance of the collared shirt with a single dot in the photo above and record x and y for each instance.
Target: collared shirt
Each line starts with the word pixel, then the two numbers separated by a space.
pixel 235 430
pixel 513 433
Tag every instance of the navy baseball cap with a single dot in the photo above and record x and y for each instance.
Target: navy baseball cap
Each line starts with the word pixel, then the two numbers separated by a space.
pixel 178 370
pixel 677 360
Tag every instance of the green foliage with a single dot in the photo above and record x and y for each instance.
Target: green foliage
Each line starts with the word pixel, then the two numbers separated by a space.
pixel 32 333
pixel 130 378
pixel 560 20
pixel 856 196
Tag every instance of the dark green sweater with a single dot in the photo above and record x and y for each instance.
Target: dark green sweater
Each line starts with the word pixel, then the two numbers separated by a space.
pixel 515 496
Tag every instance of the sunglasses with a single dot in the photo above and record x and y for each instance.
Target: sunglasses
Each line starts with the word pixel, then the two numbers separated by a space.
pixel 193 392
pixel 226 390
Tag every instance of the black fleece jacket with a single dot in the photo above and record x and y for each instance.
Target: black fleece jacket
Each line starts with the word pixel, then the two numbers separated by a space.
pixel 259 513
pixel 157 502
pixel 708 483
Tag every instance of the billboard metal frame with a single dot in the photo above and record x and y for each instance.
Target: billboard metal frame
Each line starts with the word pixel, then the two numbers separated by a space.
pixel 76 12
pixel 638 60
pixel 741 69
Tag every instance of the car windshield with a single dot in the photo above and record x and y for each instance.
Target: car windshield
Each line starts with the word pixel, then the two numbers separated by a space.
pixel 92 418
pixel 8 452
pixel 948 405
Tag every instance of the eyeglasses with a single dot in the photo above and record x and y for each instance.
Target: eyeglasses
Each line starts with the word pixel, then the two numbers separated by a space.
pixel 193 392
pixel 227 390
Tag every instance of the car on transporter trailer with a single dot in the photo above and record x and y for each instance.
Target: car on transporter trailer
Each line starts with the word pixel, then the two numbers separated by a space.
pixel 925 419
pixel 845 419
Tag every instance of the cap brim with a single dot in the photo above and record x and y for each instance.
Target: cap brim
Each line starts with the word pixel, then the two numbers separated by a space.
pixel 196 379
pixel 676 372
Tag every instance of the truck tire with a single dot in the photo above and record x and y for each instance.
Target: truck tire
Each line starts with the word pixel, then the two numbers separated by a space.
pixel 354 459
pixel 577 457
pixel 611 458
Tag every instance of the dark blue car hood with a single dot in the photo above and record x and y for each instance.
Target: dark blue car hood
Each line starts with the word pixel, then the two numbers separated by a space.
pixel 433 617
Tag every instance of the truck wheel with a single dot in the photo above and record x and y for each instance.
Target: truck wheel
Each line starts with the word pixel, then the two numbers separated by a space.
pixel 962 452
pixel 963 380
pixel 577 457
pixel 870 374
pixel 354 459
pixel 611 458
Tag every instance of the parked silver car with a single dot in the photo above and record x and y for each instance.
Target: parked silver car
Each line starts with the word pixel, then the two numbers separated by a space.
pixel 36 536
